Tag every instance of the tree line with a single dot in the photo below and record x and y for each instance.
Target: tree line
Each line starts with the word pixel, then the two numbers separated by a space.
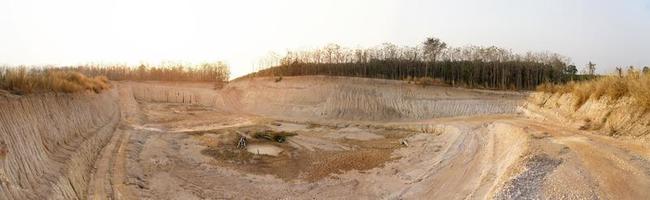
pixel 471 66
pixel 206 72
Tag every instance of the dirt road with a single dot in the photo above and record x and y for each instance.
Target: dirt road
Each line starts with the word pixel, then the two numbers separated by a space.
pixel 188 150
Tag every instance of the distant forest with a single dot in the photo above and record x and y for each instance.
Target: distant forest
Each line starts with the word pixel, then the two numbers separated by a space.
pixel 24 80
pixel 473 66
pixel 206 72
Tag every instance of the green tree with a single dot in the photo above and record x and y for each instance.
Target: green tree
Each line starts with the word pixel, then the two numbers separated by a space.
pixel 571 70
pixel 433 47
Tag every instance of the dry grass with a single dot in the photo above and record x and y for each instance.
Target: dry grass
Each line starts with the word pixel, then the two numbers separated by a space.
pixel 633 85
pixel 25 81
pixel 639 89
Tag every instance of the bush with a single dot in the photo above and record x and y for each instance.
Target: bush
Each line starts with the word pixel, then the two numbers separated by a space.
pixel 639 89
pixel 24 81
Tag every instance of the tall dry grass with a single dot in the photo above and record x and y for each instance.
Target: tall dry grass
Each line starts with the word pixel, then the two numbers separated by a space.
pixel 634 85
pixel 25 81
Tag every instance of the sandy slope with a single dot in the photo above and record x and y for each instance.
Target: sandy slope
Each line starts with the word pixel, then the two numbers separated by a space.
pixel 49 142
pixel 319 97
pixel 355 139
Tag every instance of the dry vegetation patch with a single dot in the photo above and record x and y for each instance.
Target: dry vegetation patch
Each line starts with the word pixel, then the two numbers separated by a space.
pixel 278 136
pixel 635 85
pixel 25 81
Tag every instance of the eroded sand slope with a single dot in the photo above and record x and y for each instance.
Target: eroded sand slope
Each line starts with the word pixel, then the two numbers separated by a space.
pixel 321 97
pixel 49 143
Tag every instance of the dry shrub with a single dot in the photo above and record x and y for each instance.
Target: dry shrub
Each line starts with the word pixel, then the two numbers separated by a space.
pixel 581 92
pixel 639 89
pixel 548 88
pixel 566 88
pixel 24 81
pixel 278 136
pixel 614 87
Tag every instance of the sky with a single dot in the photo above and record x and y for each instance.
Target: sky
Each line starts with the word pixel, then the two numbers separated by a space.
pixel 241 32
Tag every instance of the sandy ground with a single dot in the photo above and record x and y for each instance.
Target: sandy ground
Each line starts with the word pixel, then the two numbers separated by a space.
pixel 182 150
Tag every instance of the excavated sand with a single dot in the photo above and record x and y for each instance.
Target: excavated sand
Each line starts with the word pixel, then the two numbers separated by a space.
pixel 50 142
pixel 351 138
pixel 318 97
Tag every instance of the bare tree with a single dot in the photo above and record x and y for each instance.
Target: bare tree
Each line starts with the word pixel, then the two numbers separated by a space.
pixel 389 51
pixel 591 68
pixel 619 71
pixel 332 50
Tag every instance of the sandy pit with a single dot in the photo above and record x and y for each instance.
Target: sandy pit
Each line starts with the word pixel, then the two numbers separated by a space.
pixel 351 138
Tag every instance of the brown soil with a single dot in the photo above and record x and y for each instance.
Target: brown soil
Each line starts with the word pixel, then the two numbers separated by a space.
pixel 295 163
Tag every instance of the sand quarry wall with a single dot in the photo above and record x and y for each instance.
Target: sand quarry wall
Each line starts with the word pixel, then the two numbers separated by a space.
pixel 321 97
pixel 361 99
pixel 49 142
pixel 615 118
pixel 169 93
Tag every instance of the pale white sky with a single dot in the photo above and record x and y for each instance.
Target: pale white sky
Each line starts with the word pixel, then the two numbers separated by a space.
pixel 64 32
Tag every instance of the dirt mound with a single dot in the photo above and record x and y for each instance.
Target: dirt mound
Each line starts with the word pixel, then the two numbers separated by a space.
pixel 49 142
